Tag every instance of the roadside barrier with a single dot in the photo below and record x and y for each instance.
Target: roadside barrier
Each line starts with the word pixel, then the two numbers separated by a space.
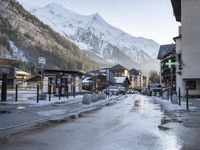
pixel 34 93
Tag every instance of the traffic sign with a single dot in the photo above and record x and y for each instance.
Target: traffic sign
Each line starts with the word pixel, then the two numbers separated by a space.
pixel 42 60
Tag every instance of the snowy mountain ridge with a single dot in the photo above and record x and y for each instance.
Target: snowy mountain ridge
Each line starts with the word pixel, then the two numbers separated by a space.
pixel 92 33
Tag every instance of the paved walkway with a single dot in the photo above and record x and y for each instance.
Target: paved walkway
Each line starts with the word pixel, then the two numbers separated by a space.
pixel 15 117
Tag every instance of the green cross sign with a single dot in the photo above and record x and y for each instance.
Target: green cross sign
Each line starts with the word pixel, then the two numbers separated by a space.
pixel 170 63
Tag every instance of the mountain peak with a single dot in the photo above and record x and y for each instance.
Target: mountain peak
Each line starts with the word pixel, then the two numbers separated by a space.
pixel 58 7
pixel 97 17
pixel 55 8
pixel 55 5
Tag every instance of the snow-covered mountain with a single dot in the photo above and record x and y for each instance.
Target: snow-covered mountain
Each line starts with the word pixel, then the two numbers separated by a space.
pixel 15 52
pixel 94 35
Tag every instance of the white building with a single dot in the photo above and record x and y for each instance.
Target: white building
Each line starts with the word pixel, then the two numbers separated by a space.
pixel 137 79
pixel 188 45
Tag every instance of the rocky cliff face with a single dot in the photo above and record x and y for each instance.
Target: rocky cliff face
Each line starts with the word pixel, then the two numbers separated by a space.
pixel 20 31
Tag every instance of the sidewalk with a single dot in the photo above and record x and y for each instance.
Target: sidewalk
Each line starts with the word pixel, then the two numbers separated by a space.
pixel 182 123
pixel 188 118
pixel 19 116
pixel 193 102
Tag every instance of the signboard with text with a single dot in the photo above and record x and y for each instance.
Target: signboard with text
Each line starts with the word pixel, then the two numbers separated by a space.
pixel 42 60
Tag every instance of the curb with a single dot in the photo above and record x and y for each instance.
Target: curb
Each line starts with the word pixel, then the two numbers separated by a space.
pixel 78 112
pixel 19 128
pixel 5 132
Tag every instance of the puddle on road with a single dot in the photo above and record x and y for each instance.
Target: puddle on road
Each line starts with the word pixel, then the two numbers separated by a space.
pixel 138 105
pixel 168 119
pixel 5 112
pixel 191 123
pixel 187 119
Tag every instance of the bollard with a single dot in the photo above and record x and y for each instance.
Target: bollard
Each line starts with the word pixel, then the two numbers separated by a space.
pixel 16 92
pixel 67 92
pixel 38 90
pixel 59 92
pixel 171 94
pixel 187 103
pixel 179 96
pixel 49 93
pixel 4 88
pixel 74 92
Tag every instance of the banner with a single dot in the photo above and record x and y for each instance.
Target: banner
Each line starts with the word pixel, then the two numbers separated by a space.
pixel 109 76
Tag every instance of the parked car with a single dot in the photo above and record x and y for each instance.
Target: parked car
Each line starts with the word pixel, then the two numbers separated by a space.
pixel 154 88
pixel 133 92
pixel 122 90
pixel 112 90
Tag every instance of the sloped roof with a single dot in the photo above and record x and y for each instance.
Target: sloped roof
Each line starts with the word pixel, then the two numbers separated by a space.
pixel 87 80
pixel 73 72
pixel 96 72
pixel 177 37
pixel 176 4
pixel 121 80
pixel 9 61
pixel 36 78
pixel 134 71
pixel 166 50
pixel 118 67
pixel 20 72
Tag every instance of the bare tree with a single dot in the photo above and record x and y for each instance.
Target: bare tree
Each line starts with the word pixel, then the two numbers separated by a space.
pixel 154 77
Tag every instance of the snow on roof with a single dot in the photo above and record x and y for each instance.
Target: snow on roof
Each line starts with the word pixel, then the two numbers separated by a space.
pixel 119 79
pixel 166 50
pixel 118 67
pixel 87 80
pixel 20 72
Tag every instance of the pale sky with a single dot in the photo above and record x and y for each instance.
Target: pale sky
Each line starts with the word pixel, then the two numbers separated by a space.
pixel 151 19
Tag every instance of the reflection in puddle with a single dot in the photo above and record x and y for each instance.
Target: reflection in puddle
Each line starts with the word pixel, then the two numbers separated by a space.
pixel 138 105
pixel 166 120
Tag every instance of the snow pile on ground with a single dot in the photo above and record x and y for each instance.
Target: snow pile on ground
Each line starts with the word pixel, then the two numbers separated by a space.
pixel 54 100
pixel 168 106
pixel 52 112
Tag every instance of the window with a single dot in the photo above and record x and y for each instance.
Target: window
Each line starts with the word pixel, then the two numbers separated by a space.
pixel 191 84
pixel 180 61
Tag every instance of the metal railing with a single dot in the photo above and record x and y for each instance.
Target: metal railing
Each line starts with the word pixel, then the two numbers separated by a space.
pixel 34 93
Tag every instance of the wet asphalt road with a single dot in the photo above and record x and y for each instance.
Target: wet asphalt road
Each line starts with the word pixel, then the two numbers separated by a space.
pixel 130 124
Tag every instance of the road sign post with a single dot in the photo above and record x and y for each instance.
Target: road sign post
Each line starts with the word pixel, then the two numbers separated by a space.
pixel 42 62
